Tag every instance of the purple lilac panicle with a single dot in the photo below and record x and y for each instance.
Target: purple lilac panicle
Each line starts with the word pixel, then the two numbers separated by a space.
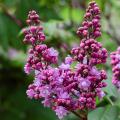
pixel 66 88
pixel 89 54
pixel 115 62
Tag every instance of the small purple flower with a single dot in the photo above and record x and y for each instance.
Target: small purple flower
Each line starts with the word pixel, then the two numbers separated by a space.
pixel 60 80
pixel 100 94
pixel 52 52
pixel 84 83
pixel 45 91
pixel 27 68
pixel 64 66
pixel 30 93
pixel 85 60
pixel 61 112
pixel 50 55
pixel 37 82
pixel 117 56
pixel 64 95
pixel 95 72
pixel 118 66
pixel 68 60
pixel 47 102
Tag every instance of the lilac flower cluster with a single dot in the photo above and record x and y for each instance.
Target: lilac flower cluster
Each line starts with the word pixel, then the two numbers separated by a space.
pixel 89 54
pixel 91 25
pixel 115 61
pixel 39 55
pixel 65 88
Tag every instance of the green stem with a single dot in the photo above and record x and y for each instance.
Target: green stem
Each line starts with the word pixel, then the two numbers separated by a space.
pixel 81 116
pixel 110 101
pixel 84 116
pixel 75 113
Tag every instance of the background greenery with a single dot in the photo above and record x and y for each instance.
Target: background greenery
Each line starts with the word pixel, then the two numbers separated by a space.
pixel 60 19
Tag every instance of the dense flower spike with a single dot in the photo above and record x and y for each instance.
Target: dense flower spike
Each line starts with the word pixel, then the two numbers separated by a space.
pixel 39 55
pixel 115 61
pixel 91 25
pixel 33 18
pixel 89 54
pixel 66 88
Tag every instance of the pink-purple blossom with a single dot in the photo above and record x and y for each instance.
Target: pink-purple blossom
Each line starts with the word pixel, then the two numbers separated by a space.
pixel 115 61
pixel 67 88
pixel 60 111
pixel 27 68
pixel 68 60
pixel 84 84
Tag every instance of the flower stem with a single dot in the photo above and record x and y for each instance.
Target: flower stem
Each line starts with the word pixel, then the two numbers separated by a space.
pixel 85 118
pixel 110 101
pixel 81 116
pixel 75 113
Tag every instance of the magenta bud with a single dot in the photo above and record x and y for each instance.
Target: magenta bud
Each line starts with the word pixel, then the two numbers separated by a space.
pixel 85 32
pixel 87 15
pixel 42 37
pixel 33 29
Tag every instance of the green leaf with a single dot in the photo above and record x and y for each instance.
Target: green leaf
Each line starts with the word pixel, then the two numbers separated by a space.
pixel 77 15
pixel 3 32
pixel 19 107
pixel 9 33
pixel 110 89
pixel 55 29
pixel 107 113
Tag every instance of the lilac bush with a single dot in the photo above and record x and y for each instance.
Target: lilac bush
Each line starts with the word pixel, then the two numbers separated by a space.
pixel 66 88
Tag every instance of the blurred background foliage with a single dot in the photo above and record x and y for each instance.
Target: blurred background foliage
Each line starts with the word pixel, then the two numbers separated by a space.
pixel 60 19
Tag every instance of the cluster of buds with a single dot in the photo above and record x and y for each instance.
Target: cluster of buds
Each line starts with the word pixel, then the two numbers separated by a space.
pixel 39 54
pixel 91 25
pixel 89 54
pixel 65 88
pixel 115 62
pixel 94 49
pixel 34 33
